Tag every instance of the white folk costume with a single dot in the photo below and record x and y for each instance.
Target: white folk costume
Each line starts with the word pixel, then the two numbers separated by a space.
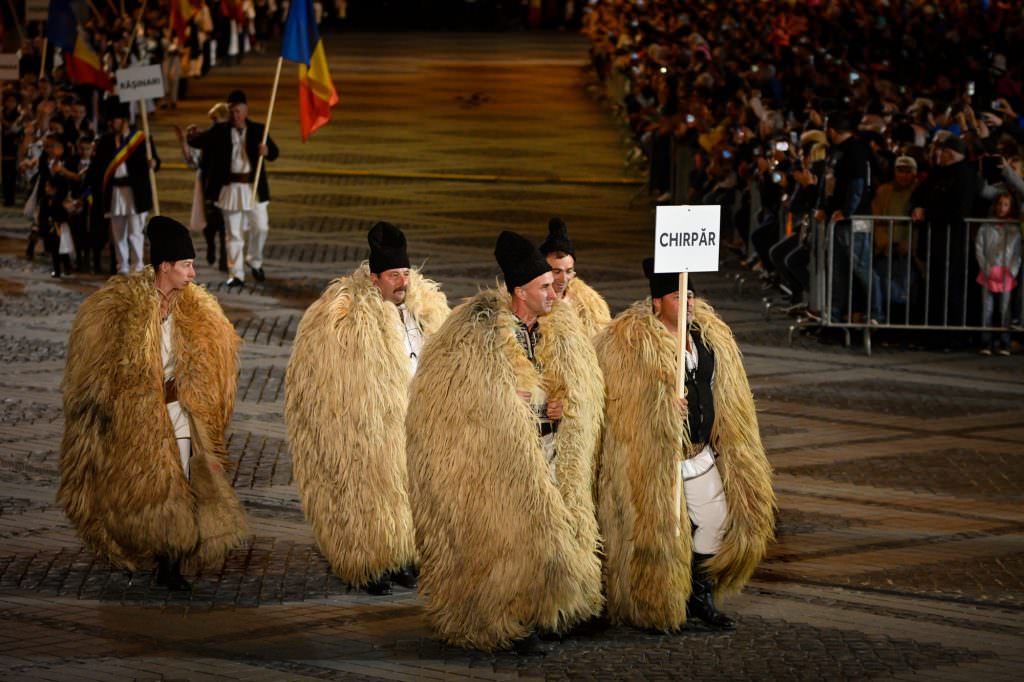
pixel 589 305
pixel 143 457
pixel 119 176
pixel 505 547
pixel 346 393
pixel 652 561
pixel 230 159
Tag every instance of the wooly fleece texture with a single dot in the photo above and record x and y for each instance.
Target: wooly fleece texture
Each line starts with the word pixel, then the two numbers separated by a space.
pixel 504 548
pixel 647 563
pixel 590 306
pixel 346 392
pixel 121 482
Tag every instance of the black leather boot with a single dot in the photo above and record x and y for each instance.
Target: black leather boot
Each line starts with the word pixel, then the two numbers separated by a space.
pixel 381 587
pixel 530 645
pixel 702 599
pixel 406 576
pixel 168 574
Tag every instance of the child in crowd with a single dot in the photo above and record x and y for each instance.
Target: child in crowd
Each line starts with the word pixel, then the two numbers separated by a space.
pixel 78 204
pixel 53 223
pixel 997 249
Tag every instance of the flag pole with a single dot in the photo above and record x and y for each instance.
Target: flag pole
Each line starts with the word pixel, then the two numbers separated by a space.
pixel 42 62
pixel 266 131
pixel 149 157
pixel 17 24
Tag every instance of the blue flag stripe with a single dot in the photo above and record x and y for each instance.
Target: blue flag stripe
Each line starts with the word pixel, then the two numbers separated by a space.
pixel 300 33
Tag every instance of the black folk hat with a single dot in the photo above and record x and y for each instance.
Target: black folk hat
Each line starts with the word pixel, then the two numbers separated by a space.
pixel 387 248
pixel 662 283
pixel 113 108
pixel 558 238
pixel 519 259
pixel 169 241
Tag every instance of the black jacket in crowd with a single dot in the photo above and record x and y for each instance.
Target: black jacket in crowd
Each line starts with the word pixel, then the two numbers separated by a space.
pixel 948 193
pixel 138 173
pixel 215 144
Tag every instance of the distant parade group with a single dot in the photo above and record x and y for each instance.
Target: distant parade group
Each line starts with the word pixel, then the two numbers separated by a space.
pixel 522 459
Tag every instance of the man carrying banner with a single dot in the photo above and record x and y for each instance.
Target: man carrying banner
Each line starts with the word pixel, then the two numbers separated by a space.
pixel 346 393
pixel 560 253
pixel 663 455
pixel 504 419
pixel 232 151
pixel 149 389
pixel 119 173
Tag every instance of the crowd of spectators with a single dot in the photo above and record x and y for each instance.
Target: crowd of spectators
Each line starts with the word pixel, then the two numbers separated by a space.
pixel 51 125
pixel 798 115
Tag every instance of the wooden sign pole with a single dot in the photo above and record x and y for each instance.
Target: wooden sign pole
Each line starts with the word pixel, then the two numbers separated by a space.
pixel 149 157
pixel 680 390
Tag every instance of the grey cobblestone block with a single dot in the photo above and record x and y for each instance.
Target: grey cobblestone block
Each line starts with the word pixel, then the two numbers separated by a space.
pixel 318 253
pixel 41 302
pixel 263 383
pixel 259 461
pixel 995 580
pixel 266 570
pixel 20 349
pixel 759 649
pixel 272 331
pixel 344 200
pixel 895 397
pixel 953 471
pixel 791 522
pixel 16 412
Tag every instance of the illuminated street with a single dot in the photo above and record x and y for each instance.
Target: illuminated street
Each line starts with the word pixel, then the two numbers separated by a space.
pixel 900 550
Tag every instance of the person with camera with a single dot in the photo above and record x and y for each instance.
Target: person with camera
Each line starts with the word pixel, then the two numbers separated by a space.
pixel 943 201
pixel 849 161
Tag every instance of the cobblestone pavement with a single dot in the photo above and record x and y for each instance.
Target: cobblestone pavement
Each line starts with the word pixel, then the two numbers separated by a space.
pixel 900 549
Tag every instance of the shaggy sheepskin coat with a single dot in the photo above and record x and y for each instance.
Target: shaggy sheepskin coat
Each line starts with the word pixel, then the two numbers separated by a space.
pixel 346 392
pixel 647 563
pixel 504 548
pixel 590 306
pixel 121 481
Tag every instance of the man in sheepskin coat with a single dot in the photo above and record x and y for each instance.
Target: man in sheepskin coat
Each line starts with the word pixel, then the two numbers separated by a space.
pixel 686 501
pixel 503 425
pixel 346 393
pixel 149 389
pixel 560 253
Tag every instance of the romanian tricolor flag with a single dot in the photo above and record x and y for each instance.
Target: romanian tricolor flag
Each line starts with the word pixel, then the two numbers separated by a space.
pixel 182 12
pixel 80 59
pixel 302 44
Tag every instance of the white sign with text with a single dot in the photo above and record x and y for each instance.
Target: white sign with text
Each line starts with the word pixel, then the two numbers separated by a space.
pixel 686 238
pixel 140 82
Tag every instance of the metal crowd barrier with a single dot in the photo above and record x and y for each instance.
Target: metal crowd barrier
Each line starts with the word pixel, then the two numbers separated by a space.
pixel 922 278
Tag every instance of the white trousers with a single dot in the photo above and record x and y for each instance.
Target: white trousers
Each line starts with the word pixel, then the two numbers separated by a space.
pixel 182 433
pixel 707 508
pixel 128 241
pixel 256 222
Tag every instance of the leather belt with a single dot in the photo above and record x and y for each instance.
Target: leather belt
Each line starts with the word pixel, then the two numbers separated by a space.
pixel 547 428
pixel 121 182
pixel 239 177
pixel 170 391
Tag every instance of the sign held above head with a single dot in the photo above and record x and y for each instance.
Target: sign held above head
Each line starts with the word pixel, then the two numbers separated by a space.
pixel 686 240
